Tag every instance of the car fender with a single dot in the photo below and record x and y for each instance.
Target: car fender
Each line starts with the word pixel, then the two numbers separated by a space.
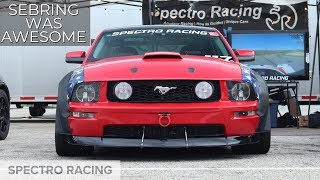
pixel 62 111
pixel 263 104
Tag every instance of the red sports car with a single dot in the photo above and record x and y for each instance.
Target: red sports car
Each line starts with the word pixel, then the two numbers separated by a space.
pixel 165 87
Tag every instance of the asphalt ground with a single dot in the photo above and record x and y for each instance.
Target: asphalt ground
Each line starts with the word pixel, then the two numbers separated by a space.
pixel 294 154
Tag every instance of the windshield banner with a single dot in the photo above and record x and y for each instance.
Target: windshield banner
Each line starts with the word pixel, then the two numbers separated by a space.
pixel 230 14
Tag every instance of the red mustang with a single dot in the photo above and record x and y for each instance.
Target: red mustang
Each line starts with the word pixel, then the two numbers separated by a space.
pixel 162 86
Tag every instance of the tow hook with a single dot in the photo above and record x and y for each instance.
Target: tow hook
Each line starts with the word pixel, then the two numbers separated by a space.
pixel 164 119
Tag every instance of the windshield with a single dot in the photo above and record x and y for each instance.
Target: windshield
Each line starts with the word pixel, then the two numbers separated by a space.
pixel 141 41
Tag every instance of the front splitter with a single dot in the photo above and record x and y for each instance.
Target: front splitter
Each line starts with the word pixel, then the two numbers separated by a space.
pixel 169 143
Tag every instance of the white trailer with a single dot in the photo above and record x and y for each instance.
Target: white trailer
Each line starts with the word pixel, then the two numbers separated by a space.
pixel 33 73
pixel 304 86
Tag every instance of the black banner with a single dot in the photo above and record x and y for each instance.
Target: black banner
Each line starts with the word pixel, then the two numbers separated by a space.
pixel 230 14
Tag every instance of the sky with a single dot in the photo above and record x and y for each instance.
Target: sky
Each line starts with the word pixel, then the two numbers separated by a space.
pixel 279 41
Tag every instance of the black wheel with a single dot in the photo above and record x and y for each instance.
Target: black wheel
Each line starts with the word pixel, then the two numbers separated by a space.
pixel 4 115
pixel 37 111
pixel 19 106
pixel 262 147
pixel 64 148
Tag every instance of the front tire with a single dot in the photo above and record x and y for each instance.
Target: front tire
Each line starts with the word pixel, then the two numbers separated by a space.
pixel 262 147
pixel 64 148
pixel 4 115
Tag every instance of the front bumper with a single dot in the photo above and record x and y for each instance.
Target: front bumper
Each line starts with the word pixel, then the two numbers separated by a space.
pixel 213 113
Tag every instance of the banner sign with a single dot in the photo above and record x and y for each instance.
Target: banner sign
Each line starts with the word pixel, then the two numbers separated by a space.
pixel 230 14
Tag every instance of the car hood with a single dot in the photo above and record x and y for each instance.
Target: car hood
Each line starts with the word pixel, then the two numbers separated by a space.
pixel 139 68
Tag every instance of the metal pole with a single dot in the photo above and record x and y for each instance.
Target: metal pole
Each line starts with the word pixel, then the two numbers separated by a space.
pixel 150 10
pixel 318 24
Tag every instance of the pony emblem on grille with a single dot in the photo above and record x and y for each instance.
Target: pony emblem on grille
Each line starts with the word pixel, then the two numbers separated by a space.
pixel 163 90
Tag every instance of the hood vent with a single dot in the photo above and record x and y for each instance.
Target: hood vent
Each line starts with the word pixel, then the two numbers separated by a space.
pixel 162 55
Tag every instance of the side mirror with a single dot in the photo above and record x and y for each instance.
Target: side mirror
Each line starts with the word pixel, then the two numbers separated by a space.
pixel 75 57
pixel 245 55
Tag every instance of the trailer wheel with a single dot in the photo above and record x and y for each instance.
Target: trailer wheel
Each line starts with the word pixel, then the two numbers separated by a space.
pixel 19 106
pixel 37 111
pixel 4 115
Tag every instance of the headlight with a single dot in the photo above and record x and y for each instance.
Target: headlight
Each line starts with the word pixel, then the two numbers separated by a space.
pixel 86 92
pixel 240 91
pixel 123 90
pixel 204 90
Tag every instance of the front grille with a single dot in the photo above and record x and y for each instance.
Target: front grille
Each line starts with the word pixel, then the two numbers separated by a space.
pixel 158 132
pixel 144 91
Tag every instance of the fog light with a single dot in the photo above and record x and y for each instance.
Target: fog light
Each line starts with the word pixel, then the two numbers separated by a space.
pixel 123 90
pixel 82 115
pixel 204 90
pixel 244 113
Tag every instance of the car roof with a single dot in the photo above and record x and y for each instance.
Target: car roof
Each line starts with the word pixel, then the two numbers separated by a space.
pixel 182 27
